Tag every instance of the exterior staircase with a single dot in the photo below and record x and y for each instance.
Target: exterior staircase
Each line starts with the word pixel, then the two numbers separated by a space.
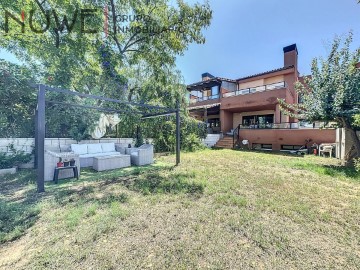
pixel 226 142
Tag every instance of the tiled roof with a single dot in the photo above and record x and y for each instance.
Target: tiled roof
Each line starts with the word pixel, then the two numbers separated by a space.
pixel 264 73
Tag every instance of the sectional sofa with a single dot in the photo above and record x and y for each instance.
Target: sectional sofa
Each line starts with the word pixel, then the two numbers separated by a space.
pixel 87 152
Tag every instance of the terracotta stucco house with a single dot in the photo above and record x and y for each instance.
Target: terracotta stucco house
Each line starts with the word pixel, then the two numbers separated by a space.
pixel 249 106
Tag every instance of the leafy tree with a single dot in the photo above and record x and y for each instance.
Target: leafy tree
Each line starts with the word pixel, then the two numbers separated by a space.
pixel 18 100
pixel 332 92
pixel 72 59
pixel 130 63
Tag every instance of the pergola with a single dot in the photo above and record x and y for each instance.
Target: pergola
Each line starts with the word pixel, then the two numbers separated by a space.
pixel 150 112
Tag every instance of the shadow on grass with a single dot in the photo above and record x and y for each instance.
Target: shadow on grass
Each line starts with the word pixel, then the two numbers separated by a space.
pixel 18 205
pixel 331 170
pixel 272 153
pixel 19 202
pixel 153 183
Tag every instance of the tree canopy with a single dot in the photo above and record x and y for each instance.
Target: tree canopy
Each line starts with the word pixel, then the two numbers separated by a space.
pixel 130 57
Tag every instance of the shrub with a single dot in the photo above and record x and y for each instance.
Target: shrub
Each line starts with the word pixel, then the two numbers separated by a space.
pixel 14 158
pixel 357 164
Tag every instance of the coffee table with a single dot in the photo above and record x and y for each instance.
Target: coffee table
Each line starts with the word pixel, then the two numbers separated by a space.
pixel 111 162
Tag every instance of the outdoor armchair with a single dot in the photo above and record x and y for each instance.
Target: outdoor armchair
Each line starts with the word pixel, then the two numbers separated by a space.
pixel 142 155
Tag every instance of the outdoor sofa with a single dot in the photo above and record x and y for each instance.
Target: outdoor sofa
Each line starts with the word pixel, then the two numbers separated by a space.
pixel 87 152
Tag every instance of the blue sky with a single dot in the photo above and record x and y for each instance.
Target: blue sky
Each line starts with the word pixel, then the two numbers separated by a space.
pixel 247 36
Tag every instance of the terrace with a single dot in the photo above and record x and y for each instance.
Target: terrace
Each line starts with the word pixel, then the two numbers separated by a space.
pixel 257 89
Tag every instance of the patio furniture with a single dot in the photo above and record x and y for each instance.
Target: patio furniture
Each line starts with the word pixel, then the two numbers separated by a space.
pixel 104 163
pixel 326 148
pixel 142 155
pixel 58 169
pixel 87 152
pixel 51 158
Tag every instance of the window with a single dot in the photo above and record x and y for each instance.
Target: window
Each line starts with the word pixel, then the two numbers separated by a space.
pixel 258 121
pixel 261 146
pixel 215 90
pixel 214 122
pixel 290 147
pixel 266 146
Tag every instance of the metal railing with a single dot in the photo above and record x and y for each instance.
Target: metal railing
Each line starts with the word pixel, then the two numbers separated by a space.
pixel 199 99
pixel 236 136
pixel 285 125
pixel 252 90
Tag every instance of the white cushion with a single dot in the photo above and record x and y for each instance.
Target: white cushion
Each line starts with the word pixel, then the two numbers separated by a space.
pixel 135 153
pixel 108 147
pixel 79 149
pixel 100 154
pixel 94 148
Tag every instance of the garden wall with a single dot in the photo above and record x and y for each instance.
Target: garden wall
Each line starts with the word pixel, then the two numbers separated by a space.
pixel 54 144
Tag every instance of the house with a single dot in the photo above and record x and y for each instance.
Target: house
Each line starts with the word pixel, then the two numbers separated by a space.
pixel 249 108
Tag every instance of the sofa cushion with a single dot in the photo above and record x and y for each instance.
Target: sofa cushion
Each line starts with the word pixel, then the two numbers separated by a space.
pixel 100 154
pixel 108 147
pixel 94 148
pixel 79 149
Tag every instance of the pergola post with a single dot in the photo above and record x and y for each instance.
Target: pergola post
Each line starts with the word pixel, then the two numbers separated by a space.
pixel 40 138
pixel 177 133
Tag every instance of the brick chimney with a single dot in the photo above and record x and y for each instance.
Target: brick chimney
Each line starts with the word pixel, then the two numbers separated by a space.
pixel 206 76
pixel 291 56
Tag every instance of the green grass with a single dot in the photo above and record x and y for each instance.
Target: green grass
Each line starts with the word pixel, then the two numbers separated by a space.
pixel 219 209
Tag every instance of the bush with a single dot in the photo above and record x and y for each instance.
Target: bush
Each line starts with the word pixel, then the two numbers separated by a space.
pixel 190 134
pixel 357 164
pixel 192 143
pixel 15 158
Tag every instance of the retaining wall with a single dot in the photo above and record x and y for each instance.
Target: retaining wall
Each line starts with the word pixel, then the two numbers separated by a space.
pixel 54 144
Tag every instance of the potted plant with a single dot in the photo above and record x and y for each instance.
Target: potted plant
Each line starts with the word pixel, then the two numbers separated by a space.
pixel 66 163
pixel 72 162
pixel 60 163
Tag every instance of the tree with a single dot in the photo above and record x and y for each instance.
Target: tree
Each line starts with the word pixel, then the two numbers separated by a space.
pixel 160 32
pixel 332 92
pixel 18 100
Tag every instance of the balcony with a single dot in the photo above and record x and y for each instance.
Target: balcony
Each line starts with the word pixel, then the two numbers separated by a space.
pixel 289 125
pixel 257 89
pixel 205 99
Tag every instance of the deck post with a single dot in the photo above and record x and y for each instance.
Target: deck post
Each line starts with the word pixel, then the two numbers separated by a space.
pixel 40 138
pixel 177 133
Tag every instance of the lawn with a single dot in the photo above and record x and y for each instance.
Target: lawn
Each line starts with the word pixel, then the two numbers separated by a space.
pixel 220 209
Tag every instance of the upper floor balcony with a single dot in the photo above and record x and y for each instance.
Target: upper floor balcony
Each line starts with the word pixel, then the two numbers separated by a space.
pixel 257 89
pixel 209 99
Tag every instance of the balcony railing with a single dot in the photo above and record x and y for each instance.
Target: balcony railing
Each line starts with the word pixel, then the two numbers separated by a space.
pixel 287 125
pixel 256 89
pixel 199 99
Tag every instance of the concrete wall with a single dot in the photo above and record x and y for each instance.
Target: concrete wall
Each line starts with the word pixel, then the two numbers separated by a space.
pixel 278 137
pixel 54 144
pixel 211 140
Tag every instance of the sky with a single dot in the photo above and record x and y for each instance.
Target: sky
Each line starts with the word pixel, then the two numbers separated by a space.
pixel 247 36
